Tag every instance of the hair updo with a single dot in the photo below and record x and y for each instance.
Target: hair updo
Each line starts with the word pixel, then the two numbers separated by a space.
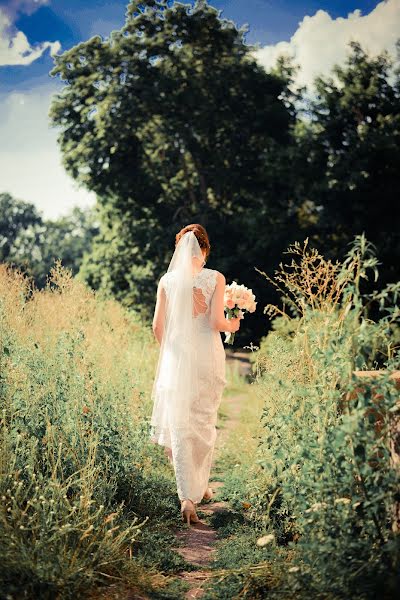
pixel 200 233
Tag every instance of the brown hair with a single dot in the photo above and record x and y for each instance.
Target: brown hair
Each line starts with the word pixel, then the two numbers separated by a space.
pixel 200 233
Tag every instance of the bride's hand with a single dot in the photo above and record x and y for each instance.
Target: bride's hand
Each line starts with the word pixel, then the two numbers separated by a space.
pixel 235 324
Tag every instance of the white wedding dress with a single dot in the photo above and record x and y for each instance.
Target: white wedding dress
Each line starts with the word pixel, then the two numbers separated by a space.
pixel 193 446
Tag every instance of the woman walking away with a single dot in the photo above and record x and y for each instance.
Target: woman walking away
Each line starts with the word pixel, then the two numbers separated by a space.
pixel 190 376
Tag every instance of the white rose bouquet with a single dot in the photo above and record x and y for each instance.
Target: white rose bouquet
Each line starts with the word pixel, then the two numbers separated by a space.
pixel 237 300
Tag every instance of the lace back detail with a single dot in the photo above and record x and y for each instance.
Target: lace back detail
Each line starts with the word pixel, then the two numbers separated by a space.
pixel 203 288
pixel 204 283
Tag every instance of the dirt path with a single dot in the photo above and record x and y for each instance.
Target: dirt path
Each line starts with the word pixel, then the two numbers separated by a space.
pixel 198 541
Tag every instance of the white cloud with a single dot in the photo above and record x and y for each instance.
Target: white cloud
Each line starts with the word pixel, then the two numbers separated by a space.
pixel 320 41
pixel 13 7
pixel 30 160
pixel 15 48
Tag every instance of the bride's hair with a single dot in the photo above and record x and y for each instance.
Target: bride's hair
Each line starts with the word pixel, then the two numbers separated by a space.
pixel 200 233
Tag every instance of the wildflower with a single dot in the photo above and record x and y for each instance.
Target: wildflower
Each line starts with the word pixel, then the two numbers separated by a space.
pixel 315 507
pixel 342 500
pixel 246 504
pixel 266 539
pixel 294 569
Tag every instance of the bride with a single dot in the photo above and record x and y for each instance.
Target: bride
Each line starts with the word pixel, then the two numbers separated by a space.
pixel 190 376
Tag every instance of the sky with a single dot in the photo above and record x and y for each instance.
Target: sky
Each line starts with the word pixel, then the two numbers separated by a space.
pixel 316 34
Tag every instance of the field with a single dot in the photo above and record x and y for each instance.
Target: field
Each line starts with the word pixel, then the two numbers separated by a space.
pixel 308 459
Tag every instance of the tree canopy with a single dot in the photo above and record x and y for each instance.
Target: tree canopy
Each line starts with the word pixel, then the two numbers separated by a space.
pixel 170 121
pixel 352 150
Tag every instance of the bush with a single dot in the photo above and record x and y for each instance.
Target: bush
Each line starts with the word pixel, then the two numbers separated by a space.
pixel 79 478
pixel 324 481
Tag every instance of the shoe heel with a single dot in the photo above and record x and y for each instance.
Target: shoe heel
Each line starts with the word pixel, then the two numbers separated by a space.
pixel 186 516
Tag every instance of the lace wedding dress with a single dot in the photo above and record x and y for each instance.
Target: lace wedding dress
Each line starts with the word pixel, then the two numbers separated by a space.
pixel 193 445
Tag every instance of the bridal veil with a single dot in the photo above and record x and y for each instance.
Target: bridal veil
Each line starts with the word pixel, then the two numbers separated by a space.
pixel 176 381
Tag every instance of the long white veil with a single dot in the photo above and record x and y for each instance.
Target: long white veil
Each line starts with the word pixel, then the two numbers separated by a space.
pixel 175 383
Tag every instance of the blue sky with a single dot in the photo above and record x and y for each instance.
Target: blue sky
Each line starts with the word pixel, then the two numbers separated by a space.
pixel 72 21
pixel 314 32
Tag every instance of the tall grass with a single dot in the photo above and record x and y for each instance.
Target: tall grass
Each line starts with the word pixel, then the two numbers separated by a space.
pixel 320 493
pixel 78 477
pixel 326 485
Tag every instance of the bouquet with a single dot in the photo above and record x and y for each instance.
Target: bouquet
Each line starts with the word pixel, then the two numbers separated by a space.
pixel 237 300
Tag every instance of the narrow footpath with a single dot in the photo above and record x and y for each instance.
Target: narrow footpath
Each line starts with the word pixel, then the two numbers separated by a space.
pixel 197 542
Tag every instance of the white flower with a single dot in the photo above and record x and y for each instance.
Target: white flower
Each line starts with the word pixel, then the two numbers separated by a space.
pixel 266 539
pixel 294 569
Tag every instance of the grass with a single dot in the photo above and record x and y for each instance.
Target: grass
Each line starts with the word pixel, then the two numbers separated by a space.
pixel 241 568
pixel 86 500
pixel 308 470
pixel 88 505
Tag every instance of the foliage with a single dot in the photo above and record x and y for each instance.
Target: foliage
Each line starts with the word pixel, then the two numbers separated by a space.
pixel 319 484
pixel 328 485
pixel 79 479
pixel 15 216
pixel 33 244
pixel 349 151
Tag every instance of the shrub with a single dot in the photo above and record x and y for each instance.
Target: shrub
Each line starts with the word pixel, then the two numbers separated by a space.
pixel 79 478
pixel 323 479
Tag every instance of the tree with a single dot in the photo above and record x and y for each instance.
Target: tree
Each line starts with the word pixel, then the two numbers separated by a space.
pixel 33 243
pixel 170 121
pixel 67 238
pixel 352 157
pixel 15 216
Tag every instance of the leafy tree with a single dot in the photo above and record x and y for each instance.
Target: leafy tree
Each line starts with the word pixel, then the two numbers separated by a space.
pixel 15 216
pixel 170 121
pixel 351 164
pixel 33 244
pixel 67 238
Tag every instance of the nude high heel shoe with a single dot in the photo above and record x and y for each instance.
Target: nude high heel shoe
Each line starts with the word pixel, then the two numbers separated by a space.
pixel 188 512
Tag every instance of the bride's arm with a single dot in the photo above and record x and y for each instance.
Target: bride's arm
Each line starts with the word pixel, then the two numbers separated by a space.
pixel 217 314
pixel 159 313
